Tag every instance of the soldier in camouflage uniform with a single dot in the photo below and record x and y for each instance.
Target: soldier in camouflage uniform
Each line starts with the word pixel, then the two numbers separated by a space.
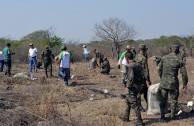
pixel 141 58
pixel 105 66
pixel 47 56
pixel 99 56
pixel 168 72
pixel 135 78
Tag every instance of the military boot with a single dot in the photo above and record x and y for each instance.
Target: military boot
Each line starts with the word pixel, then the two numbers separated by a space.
pixel 139 119
pixel 162 116
pixel 125 117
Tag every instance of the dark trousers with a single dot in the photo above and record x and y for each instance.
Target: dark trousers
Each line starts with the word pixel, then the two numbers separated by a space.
pixel 144 91
pixel 8 67
pixel 1 65
pixel 46 67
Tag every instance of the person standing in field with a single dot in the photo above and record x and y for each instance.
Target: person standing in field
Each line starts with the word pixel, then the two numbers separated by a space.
pixel 86 53
pixel 99 56
pixel 47 57
pixel 33 57
pixel 124 65
pixel 141 58
pixel 65 59
pixel 7 58
pixel 168 69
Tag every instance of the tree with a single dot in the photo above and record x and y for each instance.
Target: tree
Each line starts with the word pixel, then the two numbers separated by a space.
pixel 115 30
pixel 44 37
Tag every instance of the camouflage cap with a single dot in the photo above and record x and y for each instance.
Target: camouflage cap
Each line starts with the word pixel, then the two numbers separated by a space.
pixel 142 46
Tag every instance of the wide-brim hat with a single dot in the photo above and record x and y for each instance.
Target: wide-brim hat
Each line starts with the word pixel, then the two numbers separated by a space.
pixel 31 44
pixel 128 47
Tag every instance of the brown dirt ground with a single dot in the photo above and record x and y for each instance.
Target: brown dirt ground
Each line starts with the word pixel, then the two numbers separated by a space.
pixel 47 102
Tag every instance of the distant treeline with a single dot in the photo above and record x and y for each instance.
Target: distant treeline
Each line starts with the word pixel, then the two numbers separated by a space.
pixel 41 38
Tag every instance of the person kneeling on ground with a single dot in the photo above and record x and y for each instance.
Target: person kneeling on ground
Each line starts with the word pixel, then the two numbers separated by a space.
pixel 105 66
pixel 93 63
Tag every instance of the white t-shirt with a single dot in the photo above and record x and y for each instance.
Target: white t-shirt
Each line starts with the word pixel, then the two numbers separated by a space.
pixel 65 59
pixel 124 62
pixel 1 56
pixel 86 51
pixel 33 52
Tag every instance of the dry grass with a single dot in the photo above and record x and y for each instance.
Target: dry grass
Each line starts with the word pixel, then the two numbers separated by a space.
pixel 47 102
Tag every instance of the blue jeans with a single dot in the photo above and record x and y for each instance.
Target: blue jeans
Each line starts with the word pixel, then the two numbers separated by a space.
pixel 64 73
pixel 1 65
pixel 32 61
pixel 86 57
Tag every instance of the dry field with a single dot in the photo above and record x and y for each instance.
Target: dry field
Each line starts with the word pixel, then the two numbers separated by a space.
pixel 46 102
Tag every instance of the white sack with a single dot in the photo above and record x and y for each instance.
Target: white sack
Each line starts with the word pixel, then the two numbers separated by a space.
pixel 154 100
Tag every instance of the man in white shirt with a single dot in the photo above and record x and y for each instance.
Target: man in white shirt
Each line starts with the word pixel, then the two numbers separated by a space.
pixel 32 57
pixel 86 53
pixel 65 59
pixel 124 65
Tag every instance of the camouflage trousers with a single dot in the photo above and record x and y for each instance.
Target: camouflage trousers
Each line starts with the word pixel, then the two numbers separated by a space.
pixel 46 67
pixel 132 102
pixel 144 91
pixel 174 94
pixel 124 69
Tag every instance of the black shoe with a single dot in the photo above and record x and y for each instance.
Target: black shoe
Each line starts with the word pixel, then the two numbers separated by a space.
pixel 140 124
pixel 124 118
pixel 174 118
pixel 163 120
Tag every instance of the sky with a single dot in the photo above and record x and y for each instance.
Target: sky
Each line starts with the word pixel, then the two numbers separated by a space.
pixel 75 19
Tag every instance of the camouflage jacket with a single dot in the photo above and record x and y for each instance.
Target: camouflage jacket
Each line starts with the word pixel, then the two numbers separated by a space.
pixel 135 76
pixel 47 56
pixel 106 65
pixel 168 71
pixel 142 60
